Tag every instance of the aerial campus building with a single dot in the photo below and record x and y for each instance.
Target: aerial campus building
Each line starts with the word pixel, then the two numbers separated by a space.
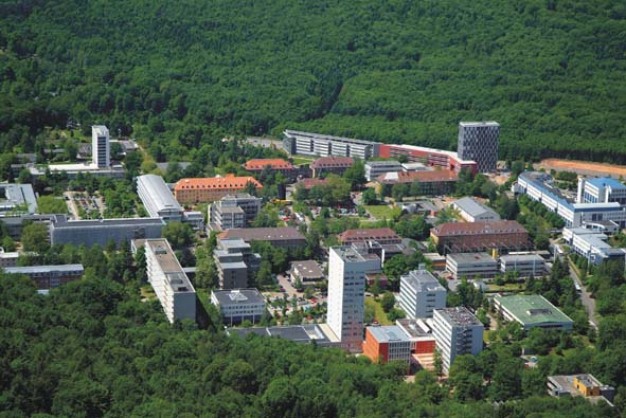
pixel 347 268
pixel 538 186
pixel 206 190
pixel 306 143
pixel 387 343
pixel 235 263
pixel 100 147
pixel 472 211
pixel 170 283
pixel 239 305
pixel 420 294
pixel 601 190
pixel 49 276
pixel 471 265
pixel 101 231
pixel 19 199
pixel 478 141
pixel 592 245
pixel 233 211
pixel 158 199
pixel 532 311
pixel 465 237
pixel 457 331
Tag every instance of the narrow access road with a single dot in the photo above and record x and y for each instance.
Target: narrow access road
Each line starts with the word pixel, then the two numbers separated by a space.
pixel 585 297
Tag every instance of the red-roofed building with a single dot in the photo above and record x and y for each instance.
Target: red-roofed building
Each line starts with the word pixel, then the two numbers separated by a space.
pixel 204 190
pixel 433 157
pixel 308 184
pixel 380 235
pixel 331 164
pixel 256 166
pixel 430 182
pixel 464 237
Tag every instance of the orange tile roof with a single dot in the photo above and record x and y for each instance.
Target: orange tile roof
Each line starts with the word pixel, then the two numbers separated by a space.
pixel 228 182
pixel 369 234
pixel 332 162
pixel 261 163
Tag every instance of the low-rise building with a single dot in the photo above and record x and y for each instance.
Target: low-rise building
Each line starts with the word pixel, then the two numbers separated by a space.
pixel 8 259
pixel 380 235
pixel 585 385
pixel 49 276
pixel 592 245
pixel 307 271
pixel 207 190
pixel 331 165
pixel 384 344
pixel 420 294
pixel 420 333
pixel 234 211
pixel 170 283
pixel 158 199
pixel 238 305
pixel 430 183
pixel 601 190
pixel 19 199
pixel 273 165
pixel 457 331
pixel 283 237
pixel 465 237
pixel 532 311
pixel 471 265
pixel 101 231
pixel 318 334
pixel 471 210
pixel 525 265
pixel 373 169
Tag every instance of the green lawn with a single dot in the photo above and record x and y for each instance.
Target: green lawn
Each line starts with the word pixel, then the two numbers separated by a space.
pixel 204 297
pixel 380 211
pixel 302 160
pixel 379 314
pixel 509 287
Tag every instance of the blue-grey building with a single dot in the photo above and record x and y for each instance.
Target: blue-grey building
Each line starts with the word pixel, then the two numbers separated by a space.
pixel 101 231
pixel 479 141
pixel 19 199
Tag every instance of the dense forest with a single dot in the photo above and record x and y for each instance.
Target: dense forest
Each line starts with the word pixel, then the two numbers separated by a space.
pixel 92 349
pixel 550 71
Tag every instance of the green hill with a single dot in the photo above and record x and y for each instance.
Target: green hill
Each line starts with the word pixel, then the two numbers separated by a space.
pixel 552 72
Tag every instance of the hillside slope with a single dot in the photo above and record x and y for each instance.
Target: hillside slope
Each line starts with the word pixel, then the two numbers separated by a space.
pixel 552 72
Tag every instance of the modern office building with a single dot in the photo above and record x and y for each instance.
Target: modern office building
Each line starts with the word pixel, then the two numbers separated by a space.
pixel 49 276
pixel 420 294
pixel 478 141
pixel 8 259
pixel 472 211
pixel 457 331
pixel 525 265
pixel 18 200
pixel 471 265
pixel 532 311
pixel 384 344
pixel 420 333
pixel 284 237
pixel 346 293
pixel 539 187
pixel 431 157
pixel 100 147
pixel 235 263
pixel 601 190
pixel 101 231
pixel 465 237
pixel 306 143
pixel 233 211
pixel 380 235
pixel 318 334
pixel 239 305
pixel 158 199
pixel 374 169
pixel 592 245
pixel 330 165
pixel 206 190
pixel 170 283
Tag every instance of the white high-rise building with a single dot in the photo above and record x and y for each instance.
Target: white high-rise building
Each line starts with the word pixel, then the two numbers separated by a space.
pixel 457 331
pixel 421 293
pixel 347 267
pixel 100 147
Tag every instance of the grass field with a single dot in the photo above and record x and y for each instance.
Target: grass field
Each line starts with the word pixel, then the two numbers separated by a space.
pixel 509 287
pixel 147 293
pixel 380 211
pixel 302 160
pixel 379 314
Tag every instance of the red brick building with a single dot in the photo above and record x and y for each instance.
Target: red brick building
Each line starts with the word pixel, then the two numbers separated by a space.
pixel 331 164
pixel 430 182
pixel 463 237
pixel 380 235
pixel 433 157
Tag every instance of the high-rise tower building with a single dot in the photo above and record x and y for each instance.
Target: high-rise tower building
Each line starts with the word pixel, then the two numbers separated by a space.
pixel 100 148
pixel 347 267
pixel 478 141
pixel 457 331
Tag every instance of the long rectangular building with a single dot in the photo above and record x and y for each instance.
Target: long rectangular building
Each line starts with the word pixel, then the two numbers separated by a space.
pixel 101 231
pixel 170 283
pixel 206 190
pixel 307 143
pixel 460 237
pixel 284 237
pixel 449 160
pixel 532 311
pixel 158 199
pixel 49 276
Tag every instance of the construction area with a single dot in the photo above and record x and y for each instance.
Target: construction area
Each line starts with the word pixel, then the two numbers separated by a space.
pixel 582 167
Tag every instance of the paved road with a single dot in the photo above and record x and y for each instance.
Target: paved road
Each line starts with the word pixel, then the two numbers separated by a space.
pixel 585 297
pixel 289 289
